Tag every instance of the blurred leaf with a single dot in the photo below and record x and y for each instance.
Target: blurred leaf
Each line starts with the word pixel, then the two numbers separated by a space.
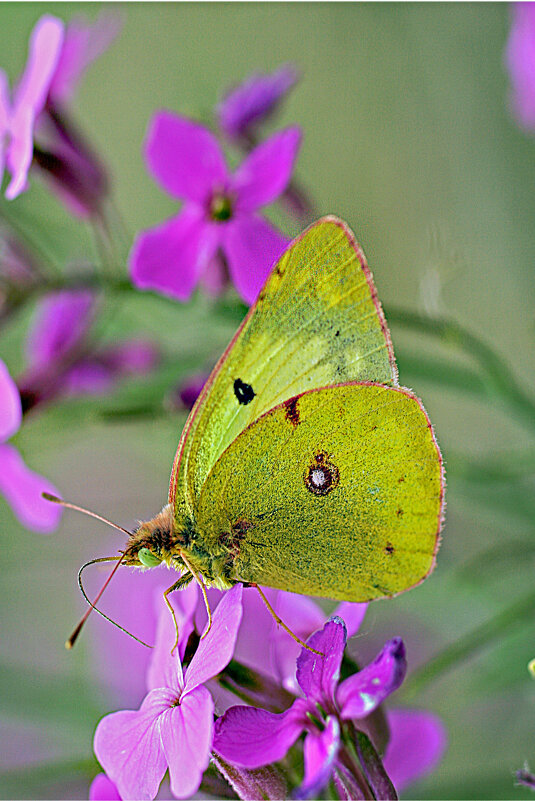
pixel 33 696
pixel 48 780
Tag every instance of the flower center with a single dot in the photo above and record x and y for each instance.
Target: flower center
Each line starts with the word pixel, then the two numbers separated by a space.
pixel 220 209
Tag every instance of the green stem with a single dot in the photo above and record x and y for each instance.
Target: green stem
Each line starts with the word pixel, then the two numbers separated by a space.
pixel 349 758
pixel 36 249
pixel 500 381
pixel 468 645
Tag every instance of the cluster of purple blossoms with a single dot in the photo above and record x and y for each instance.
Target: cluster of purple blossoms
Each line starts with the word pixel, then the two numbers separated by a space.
pixel 184 691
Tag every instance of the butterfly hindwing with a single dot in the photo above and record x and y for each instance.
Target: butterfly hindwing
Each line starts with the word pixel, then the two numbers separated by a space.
pixel 338 492
pixel 316 322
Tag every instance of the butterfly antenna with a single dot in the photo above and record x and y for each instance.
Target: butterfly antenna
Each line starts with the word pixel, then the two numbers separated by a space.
pixel 280 622
pixel 54 499
pixel 74 636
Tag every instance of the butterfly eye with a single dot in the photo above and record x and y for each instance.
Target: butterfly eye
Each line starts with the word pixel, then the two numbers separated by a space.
pixel 147 558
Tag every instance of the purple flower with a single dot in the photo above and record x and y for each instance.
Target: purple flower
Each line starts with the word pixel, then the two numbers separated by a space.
pixel 253 101
pixel 56 350
pixel 189 390
pixel 251 737
pixel 520 62
pixel 219 215
pixel 64 158
pixel 102 789
pixel 20 486
pixel 275 653
pixel 18 115
pixel 83 43
pixel 34 123
pixel 174 725
pixel 416 745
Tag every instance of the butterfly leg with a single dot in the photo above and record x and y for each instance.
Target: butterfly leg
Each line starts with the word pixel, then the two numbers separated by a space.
pixel 280 622
pixel 204 595
pixel 182 582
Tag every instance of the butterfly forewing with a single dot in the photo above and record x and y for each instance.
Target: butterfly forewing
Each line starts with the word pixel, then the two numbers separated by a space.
pixel 316 322
pixel 338 493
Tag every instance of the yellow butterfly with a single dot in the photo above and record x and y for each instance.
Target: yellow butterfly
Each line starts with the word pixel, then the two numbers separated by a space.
pixel 303 465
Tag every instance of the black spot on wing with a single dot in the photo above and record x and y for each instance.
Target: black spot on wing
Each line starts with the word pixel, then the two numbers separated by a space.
pixel 244 392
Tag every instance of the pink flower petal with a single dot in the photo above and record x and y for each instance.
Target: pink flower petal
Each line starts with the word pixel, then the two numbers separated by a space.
pixel 171 257
pixel 254 100
pixel 61 321
pixel 19 152
pixel 252 737
pixel 251 650
pixel 130 357
pixel 88 377
pixel 22 488
pixel 319 751
pixel 304 617
pixel 120 662
pixel 5 110
pixel 5 105
pixel 187 733
pixel 361 693
pixel 29 99
pixel 352 614
pixel 318 675
pixel 43 54
pixel 185 157
pixel 102 789
pixel 251 246
pixel 215 650
pixel 165 669
pixel 520 62
pixel 10 406
pixel 100 374
pixel 190 389
pixel 129 748
pixel 417 743
pixel 215 277
pixel 83 43
pixel 266 171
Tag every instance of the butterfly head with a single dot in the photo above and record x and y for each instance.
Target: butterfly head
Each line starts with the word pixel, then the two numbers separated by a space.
pixel 153 542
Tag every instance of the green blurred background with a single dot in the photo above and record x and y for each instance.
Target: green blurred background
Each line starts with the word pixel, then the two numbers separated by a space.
pixel 407 136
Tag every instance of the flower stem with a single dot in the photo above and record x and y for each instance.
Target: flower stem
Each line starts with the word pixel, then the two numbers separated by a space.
pixel 349 758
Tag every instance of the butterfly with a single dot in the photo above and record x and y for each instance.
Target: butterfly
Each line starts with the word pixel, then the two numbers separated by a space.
pixel 303 465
